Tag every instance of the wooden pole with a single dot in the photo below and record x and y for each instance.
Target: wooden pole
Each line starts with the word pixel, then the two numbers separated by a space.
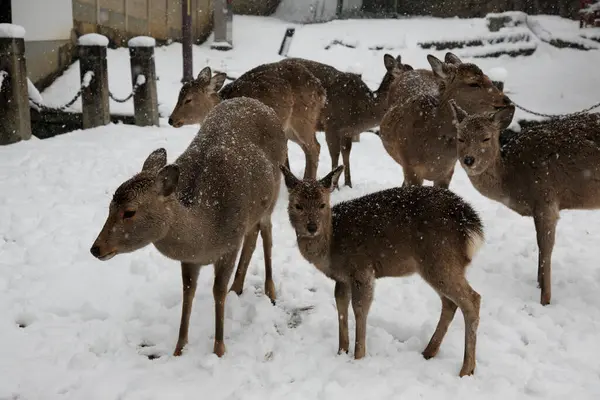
pixel 186 33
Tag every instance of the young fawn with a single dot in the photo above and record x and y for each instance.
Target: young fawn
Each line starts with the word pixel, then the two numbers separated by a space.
pixel 417 131
pixel 295 95
pixel 393 233
pixel 537 173
pixel 351 107
pixel 199 210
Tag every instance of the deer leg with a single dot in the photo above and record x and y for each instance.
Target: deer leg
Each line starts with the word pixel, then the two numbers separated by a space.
pixel 362 297
pixel 545 226
pixel 449 281
pixel 445 181
pixel 346 148
pixel 411 178
pixel 311 152
pixel 266 233
pixel 342 301
pixel 223 269
pixel 245 257
pixel 448 311
pixel 189 277
pixel 334 146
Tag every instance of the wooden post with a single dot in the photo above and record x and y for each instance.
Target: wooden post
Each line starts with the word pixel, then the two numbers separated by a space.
pixel 186 42
pixel 15 121
pixel 93 71
pixel 143 73
pixel 222 16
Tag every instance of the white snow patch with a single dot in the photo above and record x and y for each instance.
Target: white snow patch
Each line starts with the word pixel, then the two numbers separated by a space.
pixel 497 74
pixel 140 80
pixel 222 44
pixel 33 93
pixel 12 31
pixel 142 41
pixel 3 74
pixel 87 79
pixel 93 39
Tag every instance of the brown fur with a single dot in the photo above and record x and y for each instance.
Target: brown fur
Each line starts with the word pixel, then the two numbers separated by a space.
pixel 295 95
pixel 417 130
pixel 392 233
pixel 351 106
pixel 537 173
pixel 199 210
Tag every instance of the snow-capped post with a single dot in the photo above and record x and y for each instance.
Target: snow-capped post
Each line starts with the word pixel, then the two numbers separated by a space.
pixel 143 79
pixel 94 98
pixel 223 21
pixel 15 120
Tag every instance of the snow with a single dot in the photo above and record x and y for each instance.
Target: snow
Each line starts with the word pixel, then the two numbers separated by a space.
pixel 33 93
pixel 12 31
pixel 87 79
pixel 89 327
pixel 497 74
pixel 93 39
pixel 140 80
pixel 3 74
pixel 142 41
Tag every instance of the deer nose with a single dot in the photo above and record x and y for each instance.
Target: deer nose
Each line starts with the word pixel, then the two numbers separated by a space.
pixel 311 227
pixel 95 250
pixel 469 161
pixel 170 121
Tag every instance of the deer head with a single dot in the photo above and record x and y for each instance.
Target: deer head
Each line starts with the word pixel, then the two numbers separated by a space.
pixel 197 98
pixel 478 137
pixel 141 209
pixel 309 206
pixel 471 89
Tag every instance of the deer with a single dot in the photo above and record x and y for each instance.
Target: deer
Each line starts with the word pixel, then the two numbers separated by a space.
pixel 537 173
pixel 396 232
pixel 295 95
pixel 351 107
pixel 417 130
pixel 213 200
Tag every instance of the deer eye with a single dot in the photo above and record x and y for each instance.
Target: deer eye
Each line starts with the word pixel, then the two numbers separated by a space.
pixel 187 101
pixel 486 140
pixel 474 85
pixel 299 207
pixel 128 214
pixel 461 140
pixel 322 205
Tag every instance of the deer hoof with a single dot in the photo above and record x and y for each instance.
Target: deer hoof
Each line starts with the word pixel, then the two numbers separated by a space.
pixel 467 370
pixel 270 291
pixel 219 349
pixel 428 354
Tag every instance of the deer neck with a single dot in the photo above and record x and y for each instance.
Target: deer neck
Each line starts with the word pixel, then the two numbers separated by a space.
pixel 491 183
pixel 317 250
pixel 185 238
pixel 380 103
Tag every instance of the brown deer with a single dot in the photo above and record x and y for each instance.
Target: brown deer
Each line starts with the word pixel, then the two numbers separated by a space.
pixel 199 210
pixel 538 172
pixel 392 233
pixel 417 131
pixel 295 95
pixel 351 107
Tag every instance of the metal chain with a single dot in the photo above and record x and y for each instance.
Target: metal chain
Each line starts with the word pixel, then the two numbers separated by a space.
pixel 137 85
pixel 557 115
pixel 84 84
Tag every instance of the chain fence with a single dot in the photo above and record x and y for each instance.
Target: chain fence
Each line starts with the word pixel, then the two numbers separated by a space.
pixel 87 79
pixel 555 116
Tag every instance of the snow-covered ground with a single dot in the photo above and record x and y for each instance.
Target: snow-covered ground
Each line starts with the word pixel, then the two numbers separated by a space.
pixel 73 327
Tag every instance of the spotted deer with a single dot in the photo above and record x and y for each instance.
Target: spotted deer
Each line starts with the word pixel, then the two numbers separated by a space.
pixel 417 130
pixel 536 173
pixel 392 233
pixel 217 195
pixel 295 95
pixel 351 107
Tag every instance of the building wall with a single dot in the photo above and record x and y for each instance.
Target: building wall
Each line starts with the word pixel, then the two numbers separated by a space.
pixel 122 19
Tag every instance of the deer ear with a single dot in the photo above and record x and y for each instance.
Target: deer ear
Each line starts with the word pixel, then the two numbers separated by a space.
pixel 331 179
pixel 390 62
pixel 438 67
pixel 155 161
pixel 452 58
pixel 167 179
pixel 290 179
pixel 204 75
pixel 217 81
pixel 503 117
pixel 458 113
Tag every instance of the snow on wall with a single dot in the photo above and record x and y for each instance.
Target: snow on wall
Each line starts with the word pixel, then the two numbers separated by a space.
pixel 312 10
pixel 44 20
